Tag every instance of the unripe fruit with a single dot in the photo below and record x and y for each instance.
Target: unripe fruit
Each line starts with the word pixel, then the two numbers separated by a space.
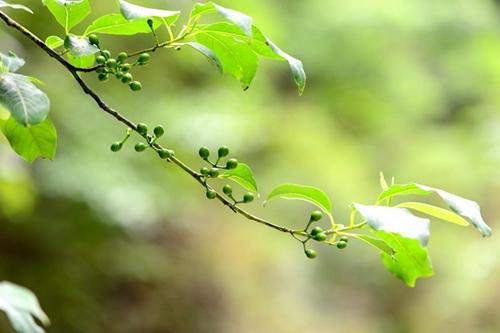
pixel 103 77
pixel 100 59
pixel 204 152
pixel 121 57
pixel 232 163
pixel 135 85
pixel 119 75
pixel 316 230
pixel 106 54
pixel 341 245
pixel 140 147
pixel 158 131
pixel 223 151
pixel 214 172
pixel 316 216
pixel 125 67
pixel 111 63
pixel 144 58
pixel 94 39
pixel 116 146
pixel 211 194
pixel 320 237
pixel 142 128
pixel 204 171
pixel 344 239
pixel 127 78
pixel 248 197
pixel 165 153
pixel 150 23
pixel 311 254
pixel 227 189
pixel 101 70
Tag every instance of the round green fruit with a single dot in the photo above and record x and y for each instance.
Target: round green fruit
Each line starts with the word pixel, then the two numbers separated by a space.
pixel 127 78
pixel 316 216
pixel 211 194
pixel 94 39
pixel 100 59
pixel 248 197
pixel 316 230
pixel 214 172
pixel 311 254
pixel 111 63
pixel 103 77
pixel 165 153
pixel 140 147
pixel 125 67
pixel 142 128
pixel 204 171
pixel 204 152
pixel 320 237
pixel 106 54
pixel 135 85
pixel 144 58
pixel 122 56
pixel 223 151
pixel 158 131
pixel 344 239
pixel 232 163
pixel 116 146
pixel 227 189
pixel 341 245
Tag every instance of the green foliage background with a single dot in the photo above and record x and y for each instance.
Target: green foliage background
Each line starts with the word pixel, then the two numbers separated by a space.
pixel 124 243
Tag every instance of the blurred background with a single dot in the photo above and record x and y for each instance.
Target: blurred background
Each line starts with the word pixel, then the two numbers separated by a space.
pixel 123 243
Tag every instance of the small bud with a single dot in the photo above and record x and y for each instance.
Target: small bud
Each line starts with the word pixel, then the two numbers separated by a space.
pixel 150 23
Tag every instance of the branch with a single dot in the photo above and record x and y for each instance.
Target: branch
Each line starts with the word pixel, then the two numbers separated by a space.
pixel 118 116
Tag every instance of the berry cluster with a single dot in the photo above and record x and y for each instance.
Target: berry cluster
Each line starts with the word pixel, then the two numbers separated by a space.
pixel 142 129
pixel 318 234
pixel 119 67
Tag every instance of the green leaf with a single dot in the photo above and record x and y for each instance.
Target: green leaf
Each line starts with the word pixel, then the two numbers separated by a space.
pixel 243 175
pixel 32 141
pixel 81 61
pixel 235 55
pixel 79 46
pixel 244 22
pixel 207 53
pixel 131 12
pixel 26 103
pixel 53 42
pixel 437 212
pixel 301 192
pixel 116 24
pixel 15 6
pixel 11 61
pixel 296 66
pixel 464 207
pixel 410 260
pixel 68 13
pixel 376 242
pixel 395 220
pixel 21 305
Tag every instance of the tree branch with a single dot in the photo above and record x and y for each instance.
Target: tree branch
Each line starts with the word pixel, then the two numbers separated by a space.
pixel 118 116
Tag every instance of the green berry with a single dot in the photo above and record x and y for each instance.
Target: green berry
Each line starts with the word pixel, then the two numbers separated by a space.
pixel 223 151
pixel 311 254
pixel 119 75
pixel 150 23
pixel 140 147
pixel 211 194
pixel 111 63
pixel 144 58
pixel 316 216
pixel 204 152
pixel 344 239
pixel 121 57
pixel 165 153
pixel 94 39
pixel 135 85
pixel 101 70
pixel 125 67
pixel 100 59
pixel 341 244
pixel 158 131
pixel 231 163
pixel 142 128
pixel 127 78
pixel 106 54
pixel 227 189
pixel 316 230
pixel 204 171
pixel 214 172
pixel 116 146
pixel 248 197
pixel 320 237
pixel 103 77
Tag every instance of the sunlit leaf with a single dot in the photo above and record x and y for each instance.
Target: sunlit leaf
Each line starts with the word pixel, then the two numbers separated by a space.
pixel 14 6
pixel 85 61
pixel 11 61
pixel 402 189
pixel 54 42
pixel 68 13
pixel 131 12
pixel 26 103
pixel 31 141
pixel 21 305
pixel 243 21
pixel 211 56
pixel 377 243
pixel 301 192
pixel 243 175
pixel 437 212
pixel 395 220
pixel 116 24
pixel 79 46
